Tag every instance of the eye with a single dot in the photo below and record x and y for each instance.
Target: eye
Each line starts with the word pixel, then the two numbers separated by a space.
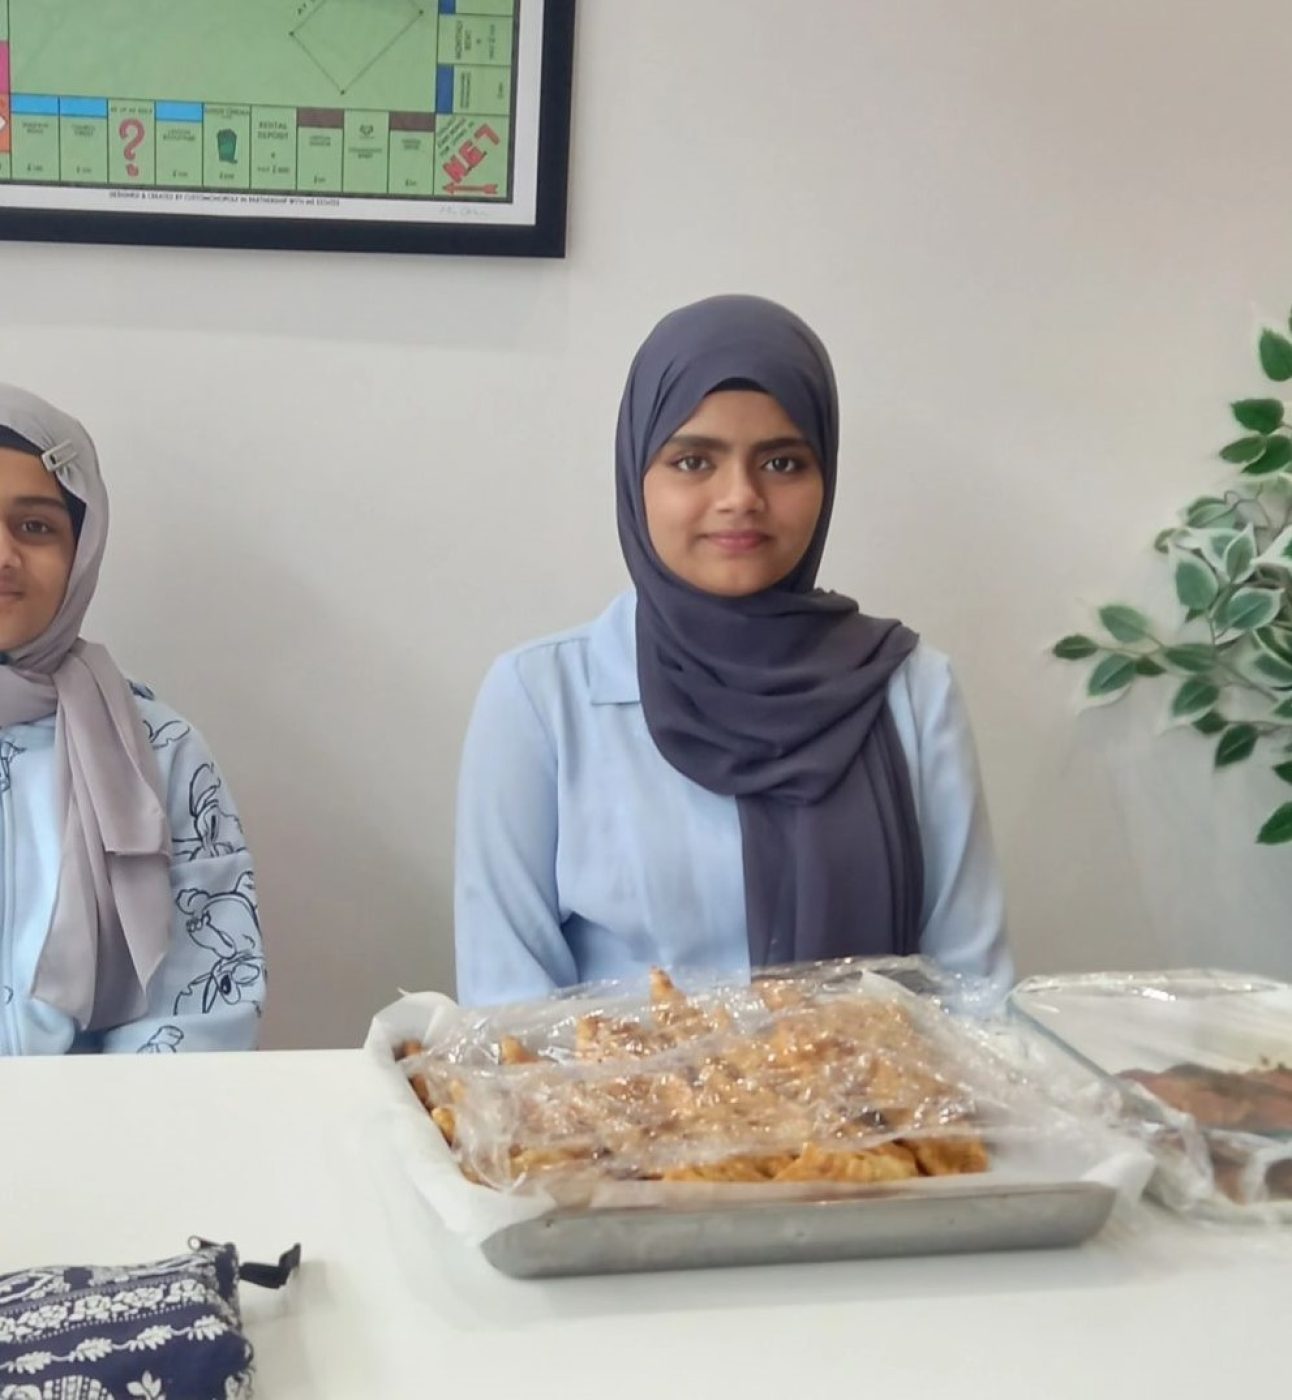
pixel 38 528
pixel 690 463
pixel 783 466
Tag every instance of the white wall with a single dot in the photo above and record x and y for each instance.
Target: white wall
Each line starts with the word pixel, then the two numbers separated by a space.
pixel 1037 234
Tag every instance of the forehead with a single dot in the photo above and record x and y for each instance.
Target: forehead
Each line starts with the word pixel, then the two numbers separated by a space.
pixel 21 474
pixel 740 415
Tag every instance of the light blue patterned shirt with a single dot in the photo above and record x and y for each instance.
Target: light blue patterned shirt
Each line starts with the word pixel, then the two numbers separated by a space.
pixel 208 991
pixel 582 854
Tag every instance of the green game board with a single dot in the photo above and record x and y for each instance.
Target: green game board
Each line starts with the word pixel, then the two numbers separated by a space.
pixel 404 99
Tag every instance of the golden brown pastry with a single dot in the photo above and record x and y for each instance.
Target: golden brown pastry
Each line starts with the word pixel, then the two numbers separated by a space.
pixel 512 1052
pixel 887 1162
pixel 794 1082
pixel 949 1156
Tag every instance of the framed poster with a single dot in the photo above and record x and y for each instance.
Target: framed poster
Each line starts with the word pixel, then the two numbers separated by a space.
pixel 436 126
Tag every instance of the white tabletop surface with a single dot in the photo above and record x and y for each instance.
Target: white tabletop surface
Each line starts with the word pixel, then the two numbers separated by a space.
pixel 119 1160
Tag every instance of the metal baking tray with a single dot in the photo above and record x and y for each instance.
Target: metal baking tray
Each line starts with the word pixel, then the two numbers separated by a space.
pixel 641 1239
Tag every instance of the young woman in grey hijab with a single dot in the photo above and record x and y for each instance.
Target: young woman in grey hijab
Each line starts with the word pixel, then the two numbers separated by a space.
pixel 731 768
pixel 129 919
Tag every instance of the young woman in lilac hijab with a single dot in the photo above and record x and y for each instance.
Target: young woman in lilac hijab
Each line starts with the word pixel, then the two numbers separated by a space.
pixel 730 768
pixel 128 921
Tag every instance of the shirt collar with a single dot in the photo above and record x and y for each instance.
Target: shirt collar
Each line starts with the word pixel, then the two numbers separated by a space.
pixel 612 654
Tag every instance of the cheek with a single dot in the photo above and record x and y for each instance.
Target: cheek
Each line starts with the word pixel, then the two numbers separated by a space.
pixel 804 510
pixel 54 573
pixel 668 512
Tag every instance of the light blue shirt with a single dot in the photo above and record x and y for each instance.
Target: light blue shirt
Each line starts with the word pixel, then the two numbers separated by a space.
pixel 583 855
pixel 208 991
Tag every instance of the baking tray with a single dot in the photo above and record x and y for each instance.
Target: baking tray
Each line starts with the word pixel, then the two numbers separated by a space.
pixel 958 1220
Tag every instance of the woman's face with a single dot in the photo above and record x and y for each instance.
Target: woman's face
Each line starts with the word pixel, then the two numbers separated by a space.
pixel 37 547
pixel 733 497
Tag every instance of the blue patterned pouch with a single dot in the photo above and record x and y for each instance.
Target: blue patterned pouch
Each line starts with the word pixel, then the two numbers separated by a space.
pixel 165 1331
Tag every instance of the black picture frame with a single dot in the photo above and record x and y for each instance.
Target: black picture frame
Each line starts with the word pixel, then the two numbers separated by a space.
pixel 545 237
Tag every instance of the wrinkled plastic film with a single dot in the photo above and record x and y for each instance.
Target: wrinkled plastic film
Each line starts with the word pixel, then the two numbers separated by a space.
pixel 831 1072
pixel 1202 1062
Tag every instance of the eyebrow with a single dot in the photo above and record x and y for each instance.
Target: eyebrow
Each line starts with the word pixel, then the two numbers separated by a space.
pixel 27 502
pixel 713 444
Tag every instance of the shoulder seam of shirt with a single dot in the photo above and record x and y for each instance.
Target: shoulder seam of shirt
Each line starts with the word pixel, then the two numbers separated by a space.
pixel 925 668
pixel 529 700
pixel 575 637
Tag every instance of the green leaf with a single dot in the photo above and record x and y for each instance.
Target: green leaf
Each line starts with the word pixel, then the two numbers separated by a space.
pixel 1163 538
pixel 1283 710
pixel 1275 642
pixel 1276 355
pixel 1211 724
pixel 1240 556
pixel 1231 553
pixel 1284 771
pixel 1275 457
pixel 1279 554
pixel 1279 827
pixel 1146 666
pixel 1236 744
pixel 1213 543
pixel 1194 657
pixel 1244 449
pixel 1275 670
pixel 1195 584
pixel 1194 697
pixel 1249 608
pixel 1113 673
pixel 1258 415
pixel 1124 624
pixel 1207 511
pixel 1074 648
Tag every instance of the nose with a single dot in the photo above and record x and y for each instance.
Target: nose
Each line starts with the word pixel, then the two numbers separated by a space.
pixel 10 555
pixel 739 490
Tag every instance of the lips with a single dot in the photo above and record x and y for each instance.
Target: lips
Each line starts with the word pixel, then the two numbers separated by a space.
pixel 737 541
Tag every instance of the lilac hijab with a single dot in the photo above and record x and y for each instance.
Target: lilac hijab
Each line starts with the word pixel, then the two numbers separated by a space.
pixel 111 919
pixel 778 699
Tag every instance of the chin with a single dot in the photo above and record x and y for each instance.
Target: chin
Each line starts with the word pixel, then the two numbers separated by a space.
pixel 741 585
pixel 13 638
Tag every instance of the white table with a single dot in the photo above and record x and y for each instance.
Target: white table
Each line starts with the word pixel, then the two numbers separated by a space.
pixel 116 1160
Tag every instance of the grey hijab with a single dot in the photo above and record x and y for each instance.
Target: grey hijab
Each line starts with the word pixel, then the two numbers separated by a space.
pixel 111 919
pixel 778 699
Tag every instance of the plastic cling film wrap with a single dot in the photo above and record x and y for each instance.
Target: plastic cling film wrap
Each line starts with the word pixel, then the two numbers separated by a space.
pixel 1203 1064
pixel 827 1073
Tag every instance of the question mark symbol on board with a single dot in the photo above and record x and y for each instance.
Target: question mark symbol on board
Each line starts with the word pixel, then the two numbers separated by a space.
pixel 132 133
